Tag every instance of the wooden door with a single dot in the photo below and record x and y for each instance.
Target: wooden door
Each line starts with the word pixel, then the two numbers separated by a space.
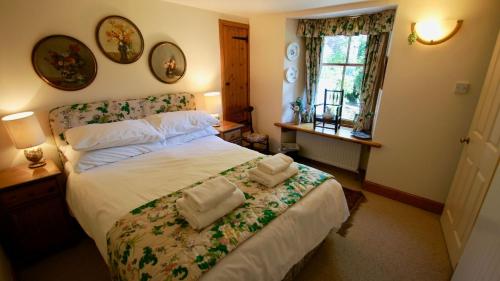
pixel 477 164
pixel 234 70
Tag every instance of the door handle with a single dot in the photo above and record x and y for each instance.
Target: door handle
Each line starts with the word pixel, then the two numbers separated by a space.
pixel 465 140
pixel 227 83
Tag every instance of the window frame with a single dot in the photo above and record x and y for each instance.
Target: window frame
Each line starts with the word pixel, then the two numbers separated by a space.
pixel 346 122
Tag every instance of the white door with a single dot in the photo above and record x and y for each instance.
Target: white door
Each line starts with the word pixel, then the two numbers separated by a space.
pixel 477 164
pixel 481 258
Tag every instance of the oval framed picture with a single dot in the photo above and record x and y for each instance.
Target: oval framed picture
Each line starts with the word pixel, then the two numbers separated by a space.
pixel 64 62
pixel 119 39
pixel 167 62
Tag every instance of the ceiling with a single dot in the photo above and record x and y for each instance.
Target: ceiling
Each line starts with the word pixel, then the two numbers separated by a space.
pixel 249 7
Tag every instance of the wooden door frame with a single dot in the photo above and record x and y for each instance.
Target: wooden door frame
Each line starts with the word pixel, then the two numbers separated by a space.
pixel 223 23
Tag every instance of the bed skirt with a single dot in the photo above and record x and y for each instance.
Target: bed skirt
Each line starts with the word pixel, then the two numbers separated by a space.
pixel 295 270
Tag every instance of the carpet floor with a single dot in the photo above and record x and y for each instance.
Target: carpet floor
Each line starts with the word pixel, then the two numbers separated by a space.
pixel 387 241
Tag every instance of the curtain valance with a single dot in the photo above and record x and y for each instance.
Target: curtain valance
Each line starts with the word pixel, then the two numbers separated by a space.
pixel 371 24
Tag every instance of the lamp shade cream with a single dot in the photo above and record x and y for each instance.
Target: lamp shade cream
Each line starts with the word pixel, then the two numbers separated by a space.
pixel 213 102
pixel 24 129
pixel 433 32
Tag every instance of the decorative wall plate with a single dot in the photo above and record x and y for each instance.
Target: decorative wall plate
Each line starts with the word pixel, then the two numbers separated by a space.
pixel 291 74
pixel 119 39
pixel 292 51
pixel 64 62
pixel 167 62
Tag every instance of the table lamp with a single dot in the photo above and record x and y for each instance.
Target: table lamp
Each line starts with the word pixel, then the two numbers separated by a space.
pixel 213 104
pixel 25 132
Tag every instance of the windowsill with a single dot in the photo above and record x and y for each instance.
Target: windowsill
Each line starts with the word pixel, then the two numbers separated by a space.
pixel 344 133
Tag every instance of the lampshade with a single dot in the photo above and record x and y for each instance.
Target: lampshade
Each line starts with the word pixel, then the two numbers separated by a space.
pixel 433 32
pixel 24 129
pixel 213 102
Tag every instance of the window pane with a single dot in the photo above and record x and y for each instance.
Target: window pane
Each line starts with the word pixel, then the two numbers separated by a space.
pixel 331 79
pixel 353 80
pixel 357 51
pixel 335 49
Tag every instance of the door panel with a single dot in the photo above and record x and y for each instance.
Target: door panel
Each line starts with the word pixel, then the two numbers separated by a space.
pixel 477 165
pixel 235 70
pixel 482 252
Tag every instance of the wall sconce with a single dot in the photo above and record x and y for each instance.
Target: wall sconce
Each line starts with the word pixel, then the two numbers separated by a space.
pixel 432 32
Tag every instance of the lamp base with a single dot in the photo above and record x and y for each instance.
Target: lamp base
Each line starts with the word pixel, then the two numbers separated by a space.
pixel 37 165
pixel 35 156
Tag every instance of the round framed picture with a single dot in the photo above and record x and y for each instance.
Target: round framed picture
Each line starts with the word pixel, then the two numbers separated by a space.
pixel 119 39
pixel 64 62
pixel 167 62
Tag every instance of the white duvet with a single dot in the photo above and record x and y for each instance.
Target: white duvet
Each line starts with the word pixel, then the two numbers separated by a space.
pixel 100 196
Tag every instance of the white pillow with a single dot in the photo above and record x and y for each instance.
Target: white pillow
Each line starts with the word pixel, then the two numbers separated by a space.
pixel 84 160
pixel 208 131
pixel 96 136
pixel 171 124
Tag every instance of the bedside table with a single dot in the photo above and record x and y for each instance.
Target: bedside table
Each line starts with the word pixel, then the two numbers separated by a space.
pixel 230 131
pixel 33 215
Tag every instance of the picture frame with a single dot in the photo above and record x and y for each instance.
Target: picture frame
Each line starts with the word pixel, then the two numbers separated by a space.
pixel 64 62
pixel 167 62
pixel 119 39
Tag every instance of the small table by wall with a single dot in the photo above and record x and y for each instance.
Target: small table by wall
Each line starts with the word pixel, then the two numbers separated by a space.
pixel 230 131
pixel 34 219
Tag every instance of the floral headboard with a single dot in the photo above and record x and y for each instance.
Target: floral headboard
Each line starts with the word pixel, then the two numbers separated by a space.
pixel 70 116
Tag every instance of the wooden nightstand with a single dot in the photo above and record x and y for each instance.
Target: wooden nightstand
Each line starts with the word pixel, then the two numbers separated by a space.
pixel 230 131
pixel 33 215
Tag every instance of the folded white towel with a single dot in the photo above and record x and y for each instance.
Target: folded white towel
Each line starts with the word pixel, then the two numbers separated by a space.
pixel 259 176
pixel 199 220
pixel 275 164
pixel 208 194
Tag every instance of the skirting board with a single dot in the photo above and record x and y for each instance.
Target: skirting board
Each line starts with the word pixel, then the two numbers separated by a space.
pixel 404 197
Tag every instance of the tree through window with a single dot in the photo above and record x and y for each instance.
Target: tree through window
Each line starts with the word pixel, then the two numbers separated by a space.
pixel 342 68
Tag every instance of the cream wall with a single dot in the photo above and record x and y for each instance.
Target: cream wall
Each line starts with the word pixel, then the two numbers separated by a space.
pixel 23 23
pixel 291 91
pixel 267 37
pixel 420 119
pixel 270 93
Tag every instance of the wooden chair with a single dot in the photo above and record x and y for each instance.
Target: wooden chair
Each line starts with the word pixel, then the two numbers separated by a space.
pixel 333 103
pixel 253 140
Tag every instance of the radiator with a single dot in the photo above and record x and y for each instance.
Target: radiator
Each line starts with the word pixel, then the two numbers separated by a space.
pixel 342 154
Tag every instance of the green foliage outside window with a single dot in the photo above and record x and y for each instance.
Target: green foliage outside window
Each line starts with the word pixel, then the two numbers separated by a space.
pixel 342 68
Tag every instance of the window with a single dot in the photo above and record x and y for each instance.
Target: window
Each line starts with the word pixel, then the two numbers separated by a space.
pixel 342 68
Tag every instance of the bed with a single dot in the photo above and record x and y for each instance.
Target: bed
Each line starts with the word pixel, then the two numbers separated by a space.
pixel 98 197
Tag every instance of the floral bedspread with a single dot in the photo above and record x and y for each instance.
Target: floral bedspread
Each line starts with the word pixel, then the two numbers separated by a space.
pixel 153 242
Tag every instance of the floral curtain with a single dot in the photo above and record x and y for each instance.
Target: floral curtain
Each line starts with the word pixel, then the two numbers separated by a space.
pixel 372 79
pixel 313 51
pixel 376 26
pixel 371 24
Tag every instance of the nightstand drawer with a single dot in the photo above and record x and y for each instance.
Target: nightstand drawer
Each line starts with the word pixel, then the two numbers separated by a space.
pixel 28 192
pixel 232 135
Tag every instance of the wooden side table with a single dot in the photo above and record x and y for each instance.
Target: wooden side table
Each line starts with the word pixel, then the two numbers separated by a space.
pixel 230 131
pixel 34 219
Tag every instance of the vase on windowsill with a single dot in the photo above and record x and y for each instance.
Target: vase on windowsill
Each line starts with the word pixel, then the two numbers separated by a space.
pixel 297 118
